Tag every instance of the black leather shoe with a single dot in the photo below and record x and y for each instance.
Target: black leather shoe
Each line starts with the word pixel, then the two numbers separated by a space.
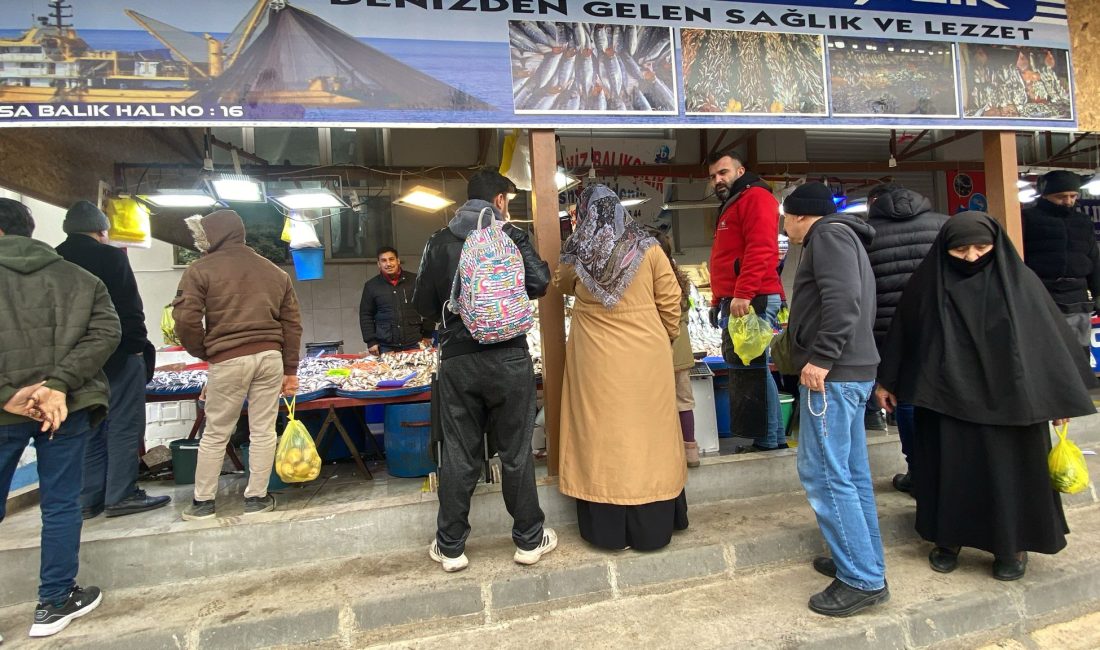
pixel 903 482
pixel 840 599
pixel 874 421
pixel 943 560
pixel 825 566
pixel 139 502
pixel 1010 569
pixel 91 512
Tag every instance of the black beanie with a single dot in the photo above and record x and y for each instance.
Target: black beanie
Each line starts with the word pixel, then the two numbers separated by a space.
pixel 1059 181
pixel 85 217
pixel 810 200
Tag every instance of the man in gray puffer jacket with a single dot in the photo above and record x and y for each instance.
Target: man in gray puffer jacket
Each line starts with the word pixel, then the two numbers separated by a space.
pixel 905 227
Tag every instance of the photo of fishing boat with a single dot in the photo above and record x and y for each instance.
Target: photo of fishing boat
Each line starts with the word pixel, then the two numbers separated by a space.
pixel 752 73
pixel 892 77
pixel 1015 81
pixel 278 54
pixel 581 67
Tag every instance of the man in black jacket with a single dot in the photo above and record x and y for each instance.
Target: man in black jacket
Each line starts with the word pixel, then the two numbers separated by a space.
pixel 111 458
pixel 905 227
pixel 484 388
pixel 386 314
pixel 1060 246
pixel 832 315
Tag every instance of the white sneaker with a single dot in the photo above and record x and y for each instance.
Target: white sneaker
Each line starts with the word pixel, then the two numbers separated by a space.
pixel 549 543
pixel 450 564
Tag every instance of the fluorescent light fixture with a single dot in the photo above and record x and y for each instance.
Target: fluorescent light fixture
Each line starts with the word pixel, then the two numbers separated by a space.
pixel 179 199
pixel 690 205
pixel 238 189
pixel 424 198
pixel 565 181
pixel 1028 195
pixel 563 213
pixel 1093 186
pixel 1021 183
pixel 309 199
pixel 856 208
pixel 634 201
pixel 839 44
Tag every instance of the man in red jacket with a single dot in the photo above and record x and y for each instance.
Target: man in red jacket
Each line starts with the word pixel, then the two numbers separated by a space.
pixel 744 275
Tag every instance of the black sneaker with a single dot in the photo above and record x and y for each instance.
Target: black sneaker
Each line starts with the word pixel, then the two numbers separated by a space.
pixel 49 619
pixel 826 566
pixel 874 421
pixel 256 505
pixel 903 482
pixel 199 510
pixel 91 512
pixel 840 599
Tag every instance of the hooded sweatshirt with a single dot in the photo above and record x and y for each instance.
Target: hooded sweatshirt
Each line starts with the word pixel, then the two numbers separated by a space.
pixel 248 303
pixel 58 326
pixel 833 300
pixel 438 266
pixel 744 259
pixel 905 227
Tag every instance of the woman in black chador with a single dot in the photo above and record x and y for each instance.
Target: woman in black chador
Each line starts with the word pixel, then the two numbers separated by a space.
pixel 981 350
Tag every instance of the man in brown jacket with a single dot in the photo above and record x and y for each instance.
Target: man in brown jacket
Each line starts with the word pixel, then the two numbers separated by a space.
pixel 251 338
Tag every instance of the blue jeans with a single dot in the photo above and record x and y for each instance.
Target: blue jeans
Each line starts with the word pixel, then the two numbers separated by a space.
pixel 775 434
pixel 111 459
pixel 60 469
pixel 833 468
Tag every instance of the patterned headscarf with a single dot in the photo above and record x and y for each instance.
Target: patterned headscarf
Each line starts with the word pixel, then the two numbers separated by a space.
pixel 607 246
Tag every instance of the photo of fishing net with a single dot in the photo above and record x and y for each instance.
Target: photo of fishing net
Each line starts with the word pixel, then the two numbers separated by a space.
pixel 891 77
pixel 753 72
pixel 1013 81
pixel 299 58
pixel 577 67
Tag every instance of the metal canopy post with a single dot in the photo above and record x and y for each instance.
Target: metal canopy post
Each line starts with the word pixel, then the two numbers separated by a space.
pixel 544 198
pixel 1001 172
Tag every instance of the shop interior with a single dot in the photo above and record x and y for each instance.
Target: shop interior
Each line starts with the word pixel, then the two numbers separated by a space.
pixel 372 172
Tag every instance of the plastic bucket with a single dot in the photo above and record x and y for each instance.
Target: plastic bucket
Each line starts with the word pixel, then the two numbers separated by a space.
pixel 274 483
pixel 185 455
pixel 309 263
pixel 786 406
pixel 408 440
pixel 722 405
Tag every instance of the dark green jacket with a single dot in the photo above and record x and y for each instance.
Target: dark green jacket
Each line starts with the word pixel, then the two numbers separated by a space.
pixel 57 325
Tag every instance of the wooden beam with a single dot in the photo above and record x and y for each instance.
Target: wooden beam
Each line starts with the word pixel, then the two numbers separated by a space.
pixel 484 138
pixel 229 146
pixel 1069 146
pixel 702 146
pixel 914 141
pixel 958 135
pixel 1001 172
pixel 544 201
pixel 718 142
pixel 753 151
pixel 893 143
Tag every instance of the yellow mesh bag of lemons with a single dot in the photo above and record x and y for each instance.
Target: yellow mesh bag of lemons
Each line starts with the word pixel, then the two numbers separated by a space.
pixel 296 457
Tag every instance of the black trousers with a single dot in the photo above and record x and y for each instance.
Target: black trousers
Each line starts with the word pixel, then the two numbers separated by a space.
pixel 487 392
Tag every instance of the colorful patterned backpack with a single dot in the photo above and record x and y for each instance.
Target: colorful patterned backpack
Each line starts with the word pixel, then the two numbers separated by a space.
pixel 489 290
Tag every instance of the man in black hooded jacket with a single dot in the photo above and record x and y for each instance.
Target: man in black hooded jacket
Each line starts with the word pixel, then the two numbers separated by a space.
pixel 1060 246
pixel 483 388
pixel 905 227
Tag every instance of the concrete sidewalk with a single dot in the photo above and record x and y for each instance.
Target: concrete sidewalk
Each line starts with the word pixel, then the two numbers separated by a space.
pixel 739 577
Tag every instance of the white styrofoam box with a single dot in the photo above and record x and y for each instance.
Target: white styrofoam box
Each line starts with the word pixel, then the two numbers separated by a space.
pixel 168 421
pixel 165 357
pixel 706 419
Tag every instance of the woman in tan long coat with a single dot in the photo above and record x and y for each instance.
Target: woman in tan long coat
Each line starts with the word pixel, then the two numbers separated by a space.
pixel 622 457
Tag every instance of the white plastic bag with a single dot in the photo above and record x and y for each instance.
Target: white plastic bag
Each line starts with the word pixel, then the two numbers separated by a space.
pixel 302 233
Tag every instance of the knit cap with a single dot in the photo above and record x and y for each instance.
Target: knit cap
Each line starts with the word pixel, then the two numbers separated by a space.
pixel 810 200
pixel 85 217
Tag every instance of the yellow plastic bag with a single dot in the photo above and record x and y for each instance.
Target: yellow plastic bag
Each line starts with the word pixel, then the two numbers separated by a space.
pixel 1068 471
pixel 750 335
pixel 129 221
pixel 285 236
pixel 296 458
pixel 168 327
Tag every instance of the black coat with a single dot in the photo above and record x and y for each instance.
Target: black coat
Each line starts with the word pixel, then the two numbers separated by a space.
pixel 387 315
pixel 1060 246
pixel 905 227
pixel 433 288
pixel 111 266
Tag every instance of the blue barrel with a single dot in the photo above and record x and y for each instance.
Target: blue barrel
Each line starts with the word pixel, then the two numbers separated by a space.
pixel 722 405
pixel 309 263
pixel 408 440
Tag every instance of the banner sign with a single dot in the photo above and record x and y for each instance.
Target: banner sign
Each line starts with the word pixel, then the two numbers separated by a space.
pixel 537 63
pixel 966 191
pixel 648 192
